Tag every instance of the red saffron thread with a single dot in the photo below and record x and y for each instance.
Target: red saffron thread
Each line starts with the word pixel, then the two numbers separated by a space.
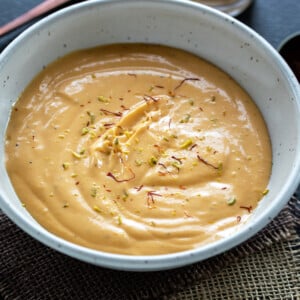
pixel 248 208
pixel 184 80
pixel 162 173
pixel 109 174
pixel 139 187
pixel 149 98
pixel 193 146
pixel 108 124
pixel 164 166
pixel 206 163
pixel 124 107
pixel 176 158
pixel 117 114
pixel 150 197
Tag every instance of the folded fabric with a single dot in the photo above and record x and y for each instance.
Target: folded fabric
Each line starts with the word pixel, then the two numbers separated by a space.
pixel 30 270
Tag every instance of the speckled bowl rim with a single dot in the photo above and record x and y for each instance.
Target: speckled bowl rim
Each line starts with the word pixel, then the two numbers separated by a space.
pixel 166 261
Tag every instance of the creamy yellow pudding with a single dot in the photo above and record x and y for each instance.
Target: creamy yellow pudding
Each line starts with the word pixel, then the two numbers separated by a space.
pixel 137 149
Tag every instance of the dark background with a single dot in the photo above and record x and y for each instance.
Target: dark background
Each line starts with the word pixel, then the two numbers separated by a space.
pixel 275 20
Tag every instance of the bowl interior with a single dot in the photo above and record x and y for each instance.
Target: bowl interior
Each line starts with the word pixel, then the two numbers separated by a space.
pixel 220 39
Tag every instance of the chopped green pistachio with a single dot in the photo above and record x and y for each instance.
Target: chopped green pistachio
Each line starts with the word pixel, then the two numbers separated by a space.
pixel 93 134
pixel 213 99
pixel 165 139
pixel 125 151
pixel 92 117
pixel 77 155
pixel 164 154
pixel 97 209
pixel 116 141
pixel 85 131
pixel 185 119
pixel 23 204
pixel 66 205
pixel 138 162
pixel 231 201
pixel 73 175
pixel 152 161
pixel 94 191
pixel 125 196
pixel 176 165
pixel 103 99
pixel 186 144
pixel 265 192
pixel 120 220
pixel 174 136
pixel 66 165
pixel 191 102
pixel 128 133
pixel 220 168
pixel 61 136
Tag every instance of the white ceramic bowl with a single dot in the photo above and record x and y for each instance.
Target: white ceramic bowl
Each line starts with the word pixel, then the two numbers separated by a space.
pixel 212 35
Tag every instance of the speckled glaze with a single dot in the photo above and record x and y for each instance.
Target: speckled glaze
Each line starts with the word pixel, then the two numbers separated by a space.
pixel 222 40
